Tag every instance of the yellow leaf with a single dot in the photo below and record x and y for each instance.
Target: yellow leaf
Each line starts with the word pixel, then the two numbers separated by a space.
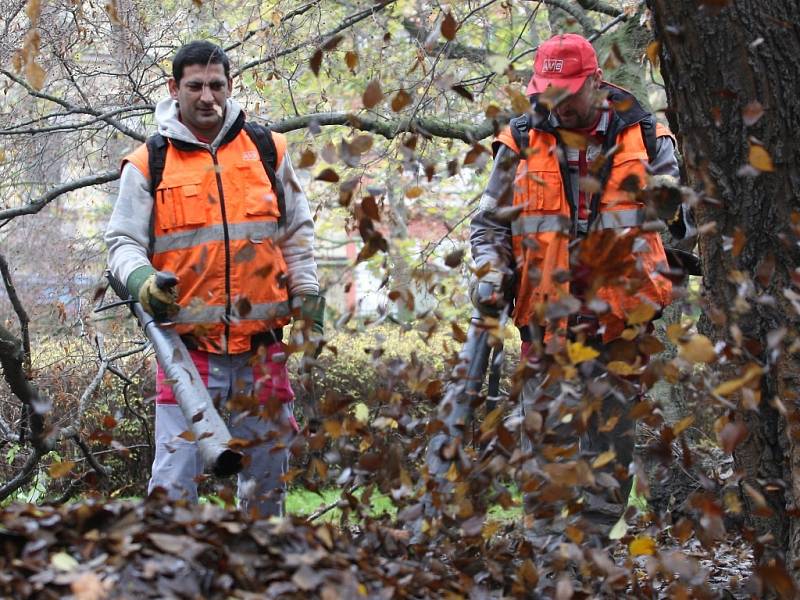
pixel 642 545
pixel 414 192
pixel 60 469
pixel 619 529
pixel 760 158
pixel 603 459
pixel 727 388
pixel 2 155
pixel 675 332
pixel 63 562
pixel 698 349
pixel 452 473
pixel 653 49
pixel 643 313
pixel 361 412
pixel 188 436
pixel 682 425
pixel 579 353
pixel 621 368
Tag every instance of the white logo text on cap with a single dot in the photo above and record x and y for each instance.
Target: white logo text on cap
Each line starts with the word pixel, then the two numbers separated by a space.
pixel 552 65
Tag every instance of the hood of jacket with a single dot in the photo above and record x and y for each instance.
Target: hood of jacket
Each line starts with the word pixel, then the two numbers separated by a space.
pixel 170 125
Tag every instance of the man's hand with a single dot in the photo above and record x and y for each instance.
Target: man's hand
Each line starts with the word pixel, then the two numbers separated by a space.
pixel 156 291
pixel 487 293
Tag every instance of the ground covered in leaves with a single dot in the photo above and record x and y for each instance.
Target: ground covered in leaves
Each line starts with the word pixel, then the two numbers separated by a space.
pixel 152 549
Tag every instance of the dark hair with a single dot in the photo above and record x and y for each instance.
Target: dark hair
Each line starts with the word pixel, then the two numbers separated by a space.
pixel 199 52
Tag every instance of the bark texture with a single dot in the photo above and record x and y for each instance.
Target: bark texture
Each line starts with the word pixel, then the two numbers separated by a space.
pixel 718 58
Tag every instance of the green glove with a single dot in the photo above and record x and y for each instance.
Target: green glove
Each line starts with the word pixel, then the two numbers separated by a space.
pixel 312 310
pixel 159 302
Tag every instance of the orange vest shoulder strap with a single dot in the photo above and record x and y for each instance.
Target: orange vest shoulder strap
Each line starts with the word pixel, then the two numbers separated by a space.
pixel 139 159
pixel 663 131
pixel 280 147
pixel 506 138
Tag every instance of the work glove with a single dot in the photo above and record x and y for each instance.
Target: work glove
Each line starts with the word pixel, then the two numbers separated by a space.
pixel 156 291
pixel 311 309
pixel 487 292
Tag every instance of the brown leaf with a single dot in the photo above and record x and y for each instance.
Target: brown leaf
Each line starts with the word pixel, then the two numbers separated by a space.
pixel 458 333
pixel 765 269
pixel 752 113
pixel 361 144
pixel 307 159
pixel 400 100
pixel 454 258
pixel 449 26
pixel 463 92
pixel 732 435
pixel 698 349
pixel 373 94
pixel 33 9
pixel 316 61
pixel 35 74
pixel 328 175
pixel 109 422
pixel 351 60
pixel 370 208
pixel 243 307
pixel 331 44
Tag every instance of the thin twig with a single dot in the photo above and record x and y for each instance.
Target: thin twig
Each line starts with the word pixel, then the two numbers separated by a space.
pixel 21 314
pixel 23 475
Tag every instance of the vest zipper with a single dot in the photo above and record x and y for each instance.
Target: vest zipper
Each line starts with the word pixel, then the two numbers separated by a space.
pixel 227 249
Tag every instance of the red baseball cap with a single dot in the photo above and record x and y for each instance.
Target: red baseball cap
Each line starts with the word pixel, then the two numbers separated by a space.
pixel 563 61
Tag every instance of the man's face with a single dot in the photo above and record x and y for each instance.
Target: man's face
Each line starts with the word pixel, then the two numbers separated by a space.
pixel 201 96
pixel 580 110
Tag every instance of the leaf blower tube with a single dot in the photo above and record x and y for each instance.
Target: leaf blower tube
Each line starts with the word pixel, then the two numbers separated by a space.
pixel 209 430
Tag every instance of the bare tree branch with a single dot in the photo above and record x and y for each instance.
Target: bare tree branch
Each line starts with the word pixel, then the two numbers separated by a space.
pixel 454 50
pixel 11 359
pixel 348 22
pixel 287 17
pixel 21 314
pixel 39 204
pixel 575 11
pixel 101 470
pixel 601 7
pixel 468 133
pixel 77 109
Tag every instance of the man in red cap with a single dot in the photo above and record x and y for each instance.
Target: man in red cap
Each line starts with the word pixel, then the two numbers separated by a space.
pixel 565 233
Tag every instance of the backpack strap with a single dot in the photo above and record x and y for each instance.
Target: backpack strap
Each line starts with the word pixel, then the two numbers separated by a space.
pixel 262 138
pixel 520 127
pixel 156 161
pixel 648 125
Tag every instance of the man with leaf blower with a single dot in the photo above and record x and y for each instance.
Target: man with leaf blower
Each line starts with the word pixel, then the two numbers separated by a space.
pixel 212 233
pixel 570 219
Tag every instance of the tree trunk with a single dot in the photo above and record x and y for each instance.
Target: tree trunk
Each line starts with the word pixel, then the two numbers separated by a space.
pixel 719 58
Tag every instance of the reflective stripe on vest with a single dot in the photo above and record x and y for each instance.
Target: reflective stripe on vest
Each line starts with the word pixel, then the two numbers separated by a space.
pixel 216 314
pixel 255 232
pixel 619 219
pixel 538 224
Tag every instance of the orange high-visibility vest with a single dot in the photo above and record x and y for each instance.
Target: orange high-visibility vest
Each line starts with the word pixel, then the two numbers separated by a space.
pixel 542 232
pixel 215 225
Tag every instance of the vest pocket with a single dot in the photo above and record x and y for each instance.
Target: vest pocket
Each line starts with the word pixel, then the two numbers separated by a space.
pixel 259 199
pixel 545 190
pixel 181 206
